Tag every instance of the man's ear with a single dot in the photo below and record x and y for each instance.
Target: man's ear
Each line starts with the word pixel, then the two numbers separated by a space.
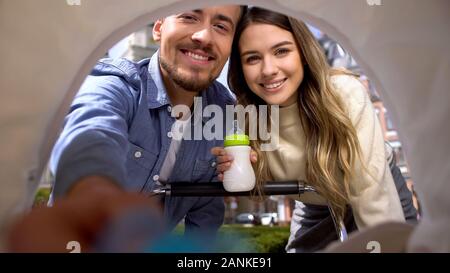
pixel 157 30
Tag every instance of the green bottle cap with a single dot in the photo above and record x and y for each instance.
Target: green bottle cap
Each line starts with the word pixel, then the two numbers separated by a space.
pixel 236 140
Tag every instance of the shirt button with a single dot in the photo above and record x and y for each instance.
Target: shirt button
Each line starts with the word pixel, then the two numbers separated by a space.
pixel 155 177
pixel 169 134
pixel 138 154
pixel 213 164
pixel 169 109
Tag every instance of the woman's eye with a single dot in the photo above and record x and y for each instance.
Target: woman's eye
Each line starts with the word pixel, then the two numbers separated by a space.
pixel 251 59
pixel 282 51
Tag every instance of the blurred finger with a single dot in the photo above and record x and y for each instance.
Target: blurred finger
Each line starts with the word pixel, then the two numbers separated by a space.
pixel 223 167
pixel 224 158
pixel 253 156
pixel 218 151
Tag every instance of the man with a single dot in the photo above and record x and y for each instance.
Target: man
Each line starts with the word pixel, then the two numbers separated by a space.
pixel 117 136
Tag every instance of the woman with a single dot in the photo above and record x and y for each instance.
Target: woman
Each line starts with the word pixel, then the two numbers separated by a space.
pixel 329 134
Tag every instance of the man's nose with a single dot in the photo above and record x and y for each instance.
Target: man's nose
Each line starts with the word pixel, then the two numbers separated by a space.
pixel 269 67
pixel 203 36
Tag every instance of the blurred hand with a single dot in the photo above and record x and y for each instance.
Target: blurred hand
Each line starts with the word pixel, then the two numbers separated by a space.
pixel 225 160
pixel 80 216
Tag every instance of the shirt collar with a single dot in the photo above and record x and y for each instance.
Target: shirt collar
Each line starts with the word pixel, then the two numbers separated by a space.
pixel 157 94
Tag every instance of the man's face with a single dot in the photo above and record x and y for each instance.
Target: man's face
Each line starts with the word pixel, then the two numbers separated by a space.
pixel 195 45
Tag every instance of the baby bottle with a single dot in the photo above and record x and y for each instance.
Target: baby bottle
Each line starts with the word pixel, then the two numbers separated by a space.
pixel 240 177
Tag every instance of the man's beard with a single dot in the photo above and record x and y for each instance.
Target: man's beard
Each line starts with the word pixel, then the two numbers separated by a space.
pixel 188 84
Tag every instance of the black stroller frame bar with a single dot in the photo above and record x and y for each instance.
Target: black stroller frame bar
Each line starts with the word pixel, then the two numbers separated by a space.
pixel 292 187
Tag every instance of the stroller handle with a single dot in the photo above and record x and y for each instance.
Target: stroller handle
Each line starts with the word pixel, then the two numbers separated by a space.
pixel 217 189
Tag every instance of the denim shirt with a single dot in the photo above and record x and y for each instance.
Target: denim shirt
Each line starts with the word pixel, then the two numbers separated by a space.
pixel 118 126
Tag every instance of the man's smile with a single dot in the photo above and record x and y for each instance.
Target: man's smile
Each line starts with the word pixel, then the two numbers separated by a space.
pixel 198 56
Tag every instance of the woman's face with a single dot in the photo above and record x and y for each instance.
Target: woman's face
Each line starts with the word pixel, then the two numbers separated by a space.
pixel 271 63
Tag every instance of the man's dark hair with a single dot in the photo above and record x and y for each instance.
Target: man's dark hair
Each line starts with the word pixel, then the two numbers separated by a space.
pixel 244 9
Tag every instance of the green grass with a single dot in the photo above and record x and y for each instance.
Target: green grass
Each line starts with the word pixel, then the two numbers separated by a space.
pixel 41 197
pixel 241 239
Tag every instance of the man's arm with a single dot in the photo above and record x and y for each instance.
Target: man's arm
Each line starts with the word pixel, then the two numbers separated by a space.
pixel 94 139
pixel 88 161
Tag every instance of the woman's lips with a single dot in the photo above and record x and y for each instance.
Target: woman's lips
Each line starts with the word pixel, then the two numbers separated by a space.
pixel 273 86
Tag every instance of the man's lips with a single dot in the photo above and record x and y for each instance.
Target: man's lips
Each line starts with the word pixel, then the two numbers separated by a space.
pixel 198 55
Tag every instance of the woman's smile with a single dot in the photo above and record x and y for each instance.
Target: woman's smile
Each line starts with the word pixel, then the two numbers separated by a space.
pixel 273 86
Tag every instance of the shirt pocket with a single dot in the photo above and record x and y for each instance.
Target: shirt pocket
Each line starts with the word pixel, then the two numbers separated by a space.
pixel 204 170
pixel 140 163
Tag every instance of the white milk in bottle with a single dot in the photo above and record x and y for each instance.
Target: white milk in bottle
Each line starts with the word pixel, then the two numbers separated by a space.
pixel 240 177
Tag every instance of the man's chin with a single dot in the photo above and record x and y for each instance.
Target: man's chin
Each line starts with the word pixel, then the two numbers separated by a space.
pixel 191 79
pixel 193 83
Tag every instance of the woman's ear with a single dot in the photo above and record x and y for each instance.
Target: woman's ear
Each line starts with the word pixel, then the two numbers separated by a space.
pixel 157 30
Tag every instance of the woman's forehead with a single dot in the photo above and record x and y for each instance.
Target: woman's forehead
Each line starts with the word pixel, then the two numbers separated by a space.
pixel 262 35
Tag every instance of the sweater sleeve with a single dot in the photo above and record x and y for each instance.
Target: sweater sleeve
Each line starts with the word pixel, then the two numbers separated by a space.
pixel 373 196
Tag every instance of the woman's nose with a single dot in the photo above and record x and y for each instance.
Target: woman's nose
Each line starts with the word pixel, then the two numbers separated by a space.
pixel 269 68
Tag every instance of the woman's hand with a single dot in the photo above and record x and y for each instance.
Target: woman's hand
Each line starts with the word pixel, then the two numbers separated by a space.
pixel 224 160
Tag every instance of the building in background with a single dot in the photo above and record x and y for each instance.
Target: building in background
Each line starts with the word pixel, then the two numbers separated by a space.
pixel 137 46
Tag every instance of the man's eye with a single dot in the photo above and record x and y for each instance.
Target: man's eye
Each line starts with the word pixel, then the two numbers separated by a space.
pixel 187 17
pixel 221 27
